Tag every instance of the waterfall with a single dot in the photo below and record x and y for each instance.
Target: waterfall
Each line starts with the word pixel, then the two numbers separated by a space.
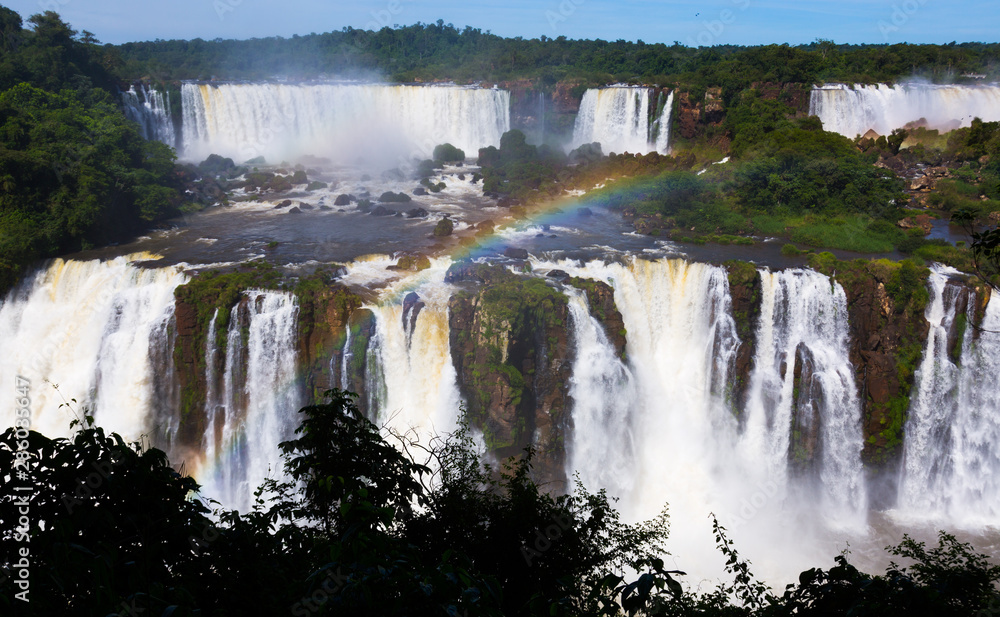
pixel 663 137
pixel 665 428
pixel 260 398
pixel 852 111
pixel 151 110
pixel 617 117
pixel 803 333
pixel 605 398
pixel 412 383
pixel 342 121
pixel 88 328
pixel 951 468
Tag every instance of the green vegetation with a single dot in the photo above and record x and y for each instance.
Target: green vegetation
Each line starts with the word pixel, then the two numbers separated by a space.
pixel 75 172
pixel 447 153
pixel 427 52
pixel 360 529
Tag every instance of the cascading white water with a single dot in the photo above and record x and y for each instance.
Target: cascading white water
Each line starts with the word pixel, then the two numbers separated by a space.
pixel 605 397
pixel 340 121
pixel 951 468
pixel 663 137
pixel 617 117
pixel 412 382
pixel 853 111
pixel 151 110
pixel 261 395
pixel 804 322
pixel 87 327
pixel 665 430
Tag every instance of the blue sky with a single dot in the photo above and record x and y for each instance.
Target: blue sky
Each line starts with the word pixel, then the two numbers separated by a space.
pixel 692 22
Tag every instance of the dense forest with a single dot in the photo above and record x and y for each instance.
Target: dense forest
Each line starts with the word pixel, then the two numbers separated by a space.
pixel 74 171
pixel 374 524
pixel 439 51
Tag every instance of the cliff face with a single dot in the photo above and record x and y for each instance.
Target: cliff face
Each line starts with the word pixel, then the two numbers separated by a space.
pixel 324 312
pixel 509 341
pixel 601 299
pixel 323 319
pixel 543 112
pixel 744 289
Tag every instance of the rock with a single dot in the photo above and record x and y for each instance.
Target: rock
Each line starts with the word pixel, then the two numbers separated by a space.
pixel 584 211
pixel 295 211
pixel 513 357
pixel 420 191
pixel 412 262
pixel 921 222
pixel 487 225
pixel 559 275
pixel 381 211
pixel 343 200
pixel 305 206
pixel 284 204
pixel 444 228
pixel 416 213
pixel 515 253
pixel 922 184
pixel 325 208
pixel 411 309
pixel 461 176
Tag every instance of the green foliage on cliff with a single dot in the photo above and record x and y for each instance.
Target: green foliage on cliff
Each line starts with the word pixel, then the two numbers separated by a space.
pixel 905 285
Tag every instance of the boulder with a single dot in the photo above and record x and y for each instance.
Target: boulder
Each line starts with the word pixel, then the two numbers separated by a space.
pixel 416 213
pixel 444 228
pixel 419 191
pixel 381 211
pixel 515 253
pixel 343 200
pixel 295 211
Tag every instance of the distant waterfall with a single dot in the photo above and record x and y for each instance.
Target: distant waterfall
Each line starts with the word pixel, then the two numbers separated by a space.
pixel 617 117
pixel 261 393
pixel 91 329
pixel 341 121
pixel 412 381
pixel 663 126
pixel 951 463
pixel 853 111
pixel 151 110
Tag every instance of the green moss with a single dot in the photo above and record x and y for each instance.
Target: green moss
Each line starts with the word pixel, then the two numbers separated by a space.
pixel 741 273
